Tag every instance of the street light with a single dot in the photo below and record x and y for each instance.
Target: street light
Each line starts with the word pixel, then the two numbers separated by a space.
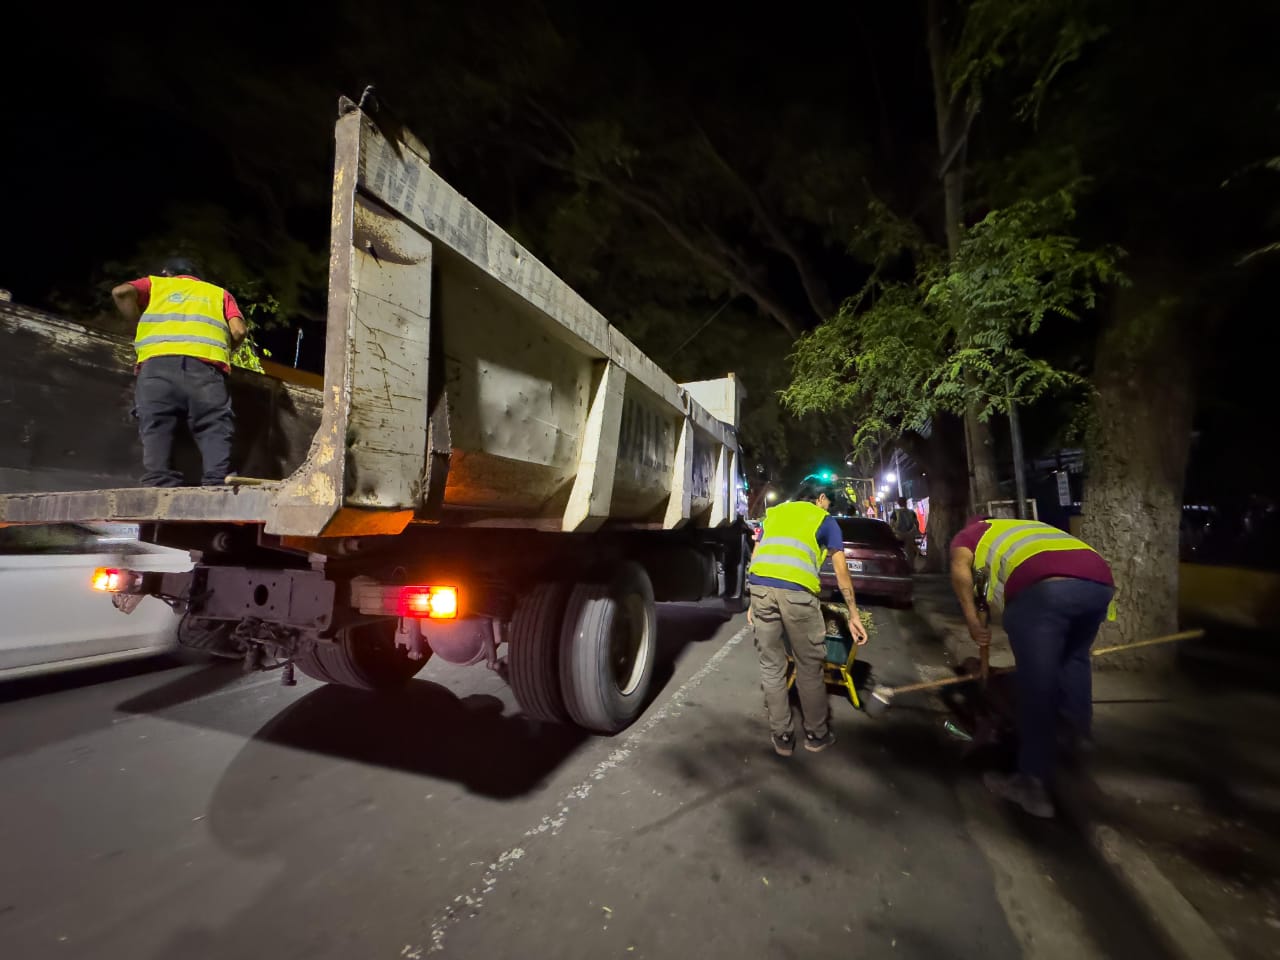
pixel 771 496
pixel 890 477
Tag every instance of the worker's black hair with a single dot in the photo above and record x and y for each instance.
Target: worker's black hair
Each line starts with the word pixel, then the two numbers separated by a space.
pixel 179 267
pixel 812 487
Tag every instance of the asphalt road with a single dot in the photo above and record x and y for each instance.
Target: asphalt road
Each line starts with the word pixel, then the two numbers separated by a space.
pixel 167 810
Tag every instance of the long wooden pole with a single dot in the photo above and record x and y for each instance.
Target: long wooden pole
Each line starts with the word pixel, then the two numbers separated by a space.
pixel 1100 652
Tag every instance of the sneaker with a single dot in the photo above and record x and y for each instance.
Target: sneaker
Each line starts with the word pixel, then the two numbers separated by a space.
pixel 785 745
pixel 818 744
pixel 1027 792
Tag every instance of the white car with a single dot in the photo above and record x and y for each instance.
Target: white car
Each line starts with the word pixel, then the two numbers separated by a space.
pixel 51 617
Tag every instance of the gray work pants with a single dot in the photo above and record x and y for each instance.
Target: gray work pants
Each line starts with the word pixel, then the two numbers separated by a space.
pixel 175 390
pixel 795 614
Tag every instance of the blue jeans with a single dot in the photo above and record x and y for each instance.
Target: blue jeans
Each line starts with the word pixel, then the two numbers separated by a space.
pixel 1051 626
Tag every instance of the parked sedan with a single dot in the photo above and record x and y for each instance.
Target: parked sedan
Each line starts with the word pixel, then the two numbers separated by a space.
pixel 877 564
pixel 55 620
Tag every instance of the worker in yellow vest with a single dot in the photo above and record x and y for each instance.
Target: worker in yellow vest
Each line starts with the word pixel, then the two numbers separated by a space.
pixel 187 331
pixel 1055 592
pixel 784 585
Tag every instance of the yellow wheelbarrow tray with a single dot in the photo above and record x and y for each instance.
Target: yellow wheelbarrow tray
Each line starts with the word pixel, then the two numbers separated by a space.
pixel 837 665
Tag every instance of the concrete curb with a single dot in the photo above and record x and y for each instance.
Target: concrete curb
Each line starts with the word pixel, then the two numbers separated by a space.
pixel 1185 933
pixel 1180 927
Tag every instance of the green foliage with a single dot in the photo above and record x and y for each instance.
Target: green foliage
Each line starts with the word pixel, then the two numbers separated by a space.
pixel 1035 39
pixel 960 332
pixel 249 354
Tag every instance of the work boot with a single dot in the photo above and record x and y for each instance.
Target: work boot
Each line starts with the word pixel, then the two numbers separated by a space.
pixel 1027 792
pixel 785 745
pixel 818 744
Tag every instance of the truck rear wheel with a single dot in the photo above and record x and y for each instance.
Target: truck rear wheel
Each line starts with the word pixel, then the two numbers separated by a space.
pixel 533 657
pixel 607 650
pixel 365 657
pixel 737 596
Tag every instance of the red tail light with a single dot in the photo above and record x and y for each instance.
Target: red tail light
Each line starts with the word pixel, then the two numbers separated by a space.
pixel 110 580
pixel 428 602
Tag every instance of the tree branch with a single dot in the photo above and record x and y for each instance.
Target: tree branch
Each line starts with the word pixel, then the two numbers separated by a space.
pixel 728 266
pixel 815 288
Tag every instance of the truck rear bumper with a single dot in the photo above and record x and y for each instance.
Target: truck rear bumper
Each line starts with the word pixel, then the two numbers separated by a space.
pixel 247 504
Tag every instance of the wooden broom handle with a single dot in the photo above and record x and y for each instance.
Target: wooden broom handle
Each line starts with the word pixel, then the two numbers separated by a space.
pixel 1101 651
pixel 1168 638
pixel 931 684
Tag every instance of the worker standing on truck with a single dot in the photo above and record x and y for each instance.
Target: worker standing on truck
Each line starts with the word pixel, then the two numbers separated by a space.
pixel 784 584
pixel 187 330
pixel 1055 592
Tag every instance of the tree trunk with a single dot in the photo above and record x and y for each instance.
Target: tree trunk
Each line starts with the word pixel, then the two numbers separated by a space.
pixel 948 493
pixel 953 135
pixel 1136 463
pixel 984 481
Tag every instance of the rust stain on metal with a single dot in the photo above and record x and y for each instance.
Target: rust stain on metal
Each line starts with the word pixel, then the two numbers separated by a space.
pixel 351 522
pixel 374 235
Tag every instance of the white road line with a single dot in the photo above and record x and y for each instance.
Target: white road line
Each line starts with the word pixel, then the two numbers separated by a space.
pixel 469 904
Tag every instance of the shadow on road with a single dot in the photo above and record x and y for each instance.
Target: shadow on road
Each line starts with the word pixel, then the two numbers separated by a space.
pixel 425 729
pixel 24 688
pixel 679 626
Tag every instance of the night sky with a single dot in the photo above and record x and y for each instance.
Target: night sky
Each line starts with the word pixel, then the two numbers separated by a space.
pixel 121 118
pixel 116 126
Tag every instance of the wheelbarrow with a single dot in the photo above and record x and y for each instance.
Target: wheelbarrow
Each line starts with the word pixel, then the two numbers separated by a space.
pixel 838 663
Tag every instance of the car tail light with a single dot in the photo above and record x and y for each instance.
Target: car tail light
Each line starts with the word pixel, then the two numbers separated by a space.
pixel 428 602
pixel 111 580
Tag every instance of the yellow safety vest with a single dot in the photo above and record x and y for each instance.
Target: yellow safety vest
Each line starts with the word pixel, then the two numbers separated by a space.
pixel 1007 544
pixel 788 549
pixel 184 318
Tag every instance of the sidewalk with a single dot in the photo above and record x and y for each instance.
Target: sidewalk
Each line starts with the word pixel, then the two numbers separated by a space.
pixel 1181 799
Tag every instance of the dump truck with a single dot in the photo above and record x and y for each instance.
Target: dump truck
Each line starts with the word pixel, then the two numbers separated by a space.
pixel 488 471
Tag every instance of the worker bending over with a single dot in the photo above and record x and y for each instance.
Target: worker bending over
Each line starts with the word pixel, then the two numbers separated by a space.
pixel 1055 592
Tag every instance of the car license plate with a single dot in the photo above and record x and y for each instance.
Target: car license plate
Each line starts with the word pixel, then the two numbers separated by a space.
pixel 855 566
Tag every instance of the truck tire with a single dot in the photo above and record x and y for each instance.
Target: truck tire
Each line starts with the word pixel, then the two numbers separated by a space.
pixel 533 653
pixel 607 650
pixel 737 597
pixel 365 657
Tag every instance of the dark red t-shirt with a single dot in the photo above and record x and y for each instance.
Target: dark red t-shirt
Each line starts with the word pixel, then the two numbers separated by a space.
pixel 230 309
pixel 1080 564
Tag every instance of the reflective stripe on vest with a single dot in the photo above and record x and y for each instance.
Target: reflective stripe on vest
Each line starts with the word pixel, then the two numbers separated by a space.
pixel 788 549
pixel 184 318
pixel 1007 544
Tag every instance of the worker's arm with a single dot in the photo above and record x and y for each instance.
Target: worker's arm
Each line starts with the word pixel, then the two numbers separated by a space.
pixel 239 330
pixel 126 299
pixel 235 319
pixel 843 581
pixel 962 584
